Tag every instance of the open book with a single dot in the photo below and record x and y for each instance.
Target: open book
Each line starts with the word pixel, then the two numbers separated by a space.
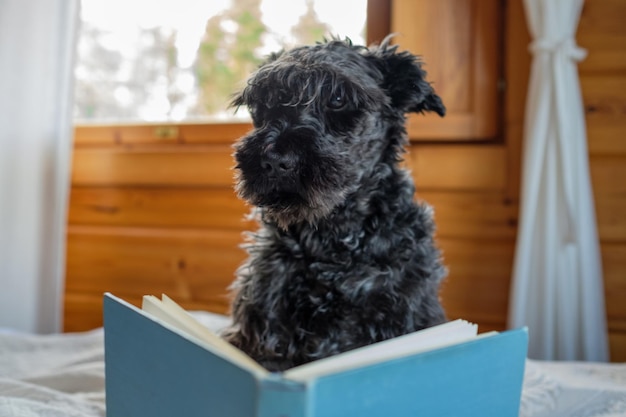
pixel 452 332
pixel 161 360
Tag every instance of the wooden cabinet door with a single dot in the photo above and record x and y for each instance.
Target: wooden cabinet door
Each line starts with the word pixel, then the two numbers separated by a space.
pixel 459 42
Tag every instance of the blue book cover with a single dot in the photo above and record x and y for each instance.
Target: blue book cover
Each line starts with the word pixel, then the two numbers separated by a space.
pixel 153 368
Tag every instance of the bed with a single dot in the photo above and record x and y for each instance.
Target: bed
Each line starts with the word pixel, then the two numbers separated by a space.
pixel 62 375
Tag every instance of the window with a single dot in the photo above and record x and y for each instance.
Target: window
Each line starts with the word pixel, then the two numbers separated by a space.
pixel 181 60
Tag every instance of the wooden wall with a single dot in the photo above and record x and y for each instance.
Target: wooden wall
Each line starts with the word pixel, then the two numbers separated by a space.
pixel 153 212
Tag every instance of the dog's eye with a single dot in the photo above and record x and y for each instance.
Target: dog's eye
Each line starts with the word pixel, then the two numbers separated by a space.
pixel 337 101
pixel 284 98
pixel 256 114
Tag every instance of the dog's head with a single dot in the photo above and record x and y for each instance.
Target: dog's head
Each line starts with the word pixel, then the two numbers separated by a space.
pixel 325 116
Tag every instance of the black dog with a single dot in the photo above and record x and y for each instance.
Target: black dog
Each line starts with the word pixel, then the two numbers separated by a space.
pixel 344 257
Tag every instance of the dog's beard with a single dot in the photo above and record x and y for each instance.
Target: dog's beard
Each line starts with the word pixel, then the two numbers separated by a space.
pixel 286 209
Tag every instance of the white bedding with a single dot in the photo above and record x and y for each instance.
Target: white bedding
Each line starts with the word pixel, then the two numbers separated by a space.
pixel 63 376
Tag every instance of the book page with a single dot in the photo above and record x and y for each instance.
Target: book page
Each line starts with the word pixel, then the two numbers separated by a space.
pixel 450 333
pixel 173 314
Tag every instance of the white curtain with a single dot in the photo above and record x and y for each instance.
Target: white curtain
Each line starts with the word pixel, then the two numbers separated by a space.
pixel 557 288
pixel 37 49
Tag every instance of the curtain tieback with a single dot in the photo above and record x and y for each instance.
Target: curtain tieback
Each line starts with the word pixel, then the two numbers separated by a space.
pixel 565 46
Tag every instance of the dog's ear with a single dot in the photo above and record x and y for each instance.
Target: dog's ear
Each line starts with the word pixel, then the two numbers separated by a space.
pixel 405 80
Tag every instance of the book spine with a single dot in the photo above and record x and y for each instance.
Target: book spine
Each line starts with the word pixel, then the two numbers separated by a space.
pixel 279 397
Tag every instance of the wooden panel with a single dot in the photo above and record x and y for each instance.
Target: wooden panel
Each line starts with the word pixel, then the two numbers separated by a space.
pixel 614 265
pixel 479 215
pixel 214 133
pixel 95 135
pixel 378 24
pixel 176 165
pixel 159 207
pixel 194 267
pixel 610 217
pixel 617 342
pixel 604 99
pixel 458 40
pixel 601 31
pixel 458 167
pixel 186 264
pixel 608 175
pixel 159 134
pixel 84 311
pixel 517 60
pixel 477 287
pixel 516 71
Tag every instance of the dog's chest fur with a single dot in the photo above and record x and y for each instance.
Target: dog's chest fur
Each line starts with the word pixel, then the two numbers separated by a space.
pixel 366 273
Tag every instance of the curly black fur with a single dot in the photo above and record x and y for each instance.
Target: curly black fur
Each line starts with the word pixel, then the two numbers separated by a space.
pixel 344 256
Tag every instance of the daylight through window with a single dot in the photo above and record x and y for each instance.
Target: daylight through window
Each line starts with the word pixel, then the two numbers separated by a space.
pixel 166 60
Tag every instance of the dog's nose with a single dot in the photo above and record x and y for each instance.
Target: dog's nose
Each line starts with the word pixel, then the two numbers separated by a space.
pixel 277 162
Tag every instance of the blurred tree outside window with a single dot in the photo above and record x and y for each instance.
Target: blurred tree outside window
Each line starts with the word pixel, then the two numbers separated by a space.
pixel 169 61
